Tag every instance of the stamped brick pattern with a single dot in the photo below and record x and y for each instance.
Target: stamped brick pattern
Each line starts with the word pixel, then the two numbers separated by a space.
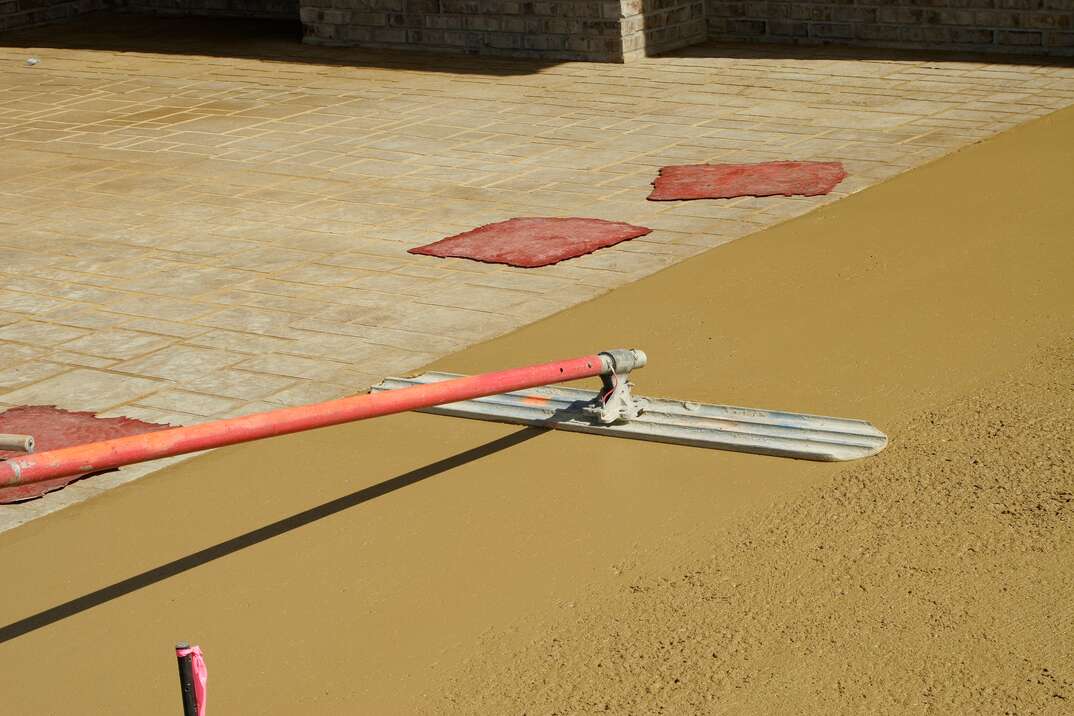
pixel 190 236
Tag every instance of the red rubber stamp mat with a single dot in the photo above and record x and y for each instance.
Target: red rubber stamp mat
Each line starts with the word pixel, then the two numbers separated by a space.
pixel 533 242
pixel 53 428
pixel 727 181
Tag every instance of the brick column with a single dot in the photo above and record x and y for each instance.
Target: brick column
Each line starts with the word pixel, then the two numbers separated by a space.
pixel 651 27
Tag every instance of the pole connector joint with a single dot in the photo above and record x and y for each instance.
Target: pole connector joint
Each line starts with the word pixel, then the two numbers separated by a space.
pixel 616 404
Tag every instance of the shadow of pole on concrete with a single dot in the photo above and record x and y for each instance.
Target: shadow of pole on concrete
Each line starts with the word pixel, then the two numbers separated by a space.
pixel 261 534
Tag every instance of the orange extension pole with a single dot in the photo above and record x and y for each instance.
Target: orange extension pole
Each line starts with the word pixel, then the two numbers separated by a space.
pixel 108 454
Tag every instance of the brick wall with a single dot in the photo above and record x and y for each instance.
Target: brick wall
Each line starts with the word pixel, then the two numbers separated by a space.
pixel 23 13
pixel 570 29
pixel 279 9
pixel 608 30
pixel 1027 26
pixel 650 27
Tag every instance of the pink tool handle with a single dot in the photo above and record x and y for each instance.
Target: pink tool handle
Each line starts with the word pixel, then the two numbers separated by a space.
pixel 108 454
pixel 201 674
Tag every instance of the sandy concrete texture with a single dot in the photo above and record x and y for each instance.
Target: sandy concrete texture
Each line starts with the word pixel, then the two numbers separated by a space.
pixel 369 567
pixel 935 579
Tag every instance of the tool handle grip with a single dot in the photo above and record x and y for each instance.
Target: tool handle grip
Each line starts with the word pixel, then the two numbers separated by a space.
pixel 186 680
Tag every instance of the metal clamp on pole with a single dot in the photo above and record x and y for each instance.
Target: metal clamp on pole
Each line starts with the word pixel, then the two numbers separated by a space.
pixel 616 404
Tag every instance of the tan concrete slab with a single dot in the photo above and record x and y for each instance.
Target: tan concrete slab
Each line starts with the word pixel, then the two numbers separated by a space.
pixel 395 566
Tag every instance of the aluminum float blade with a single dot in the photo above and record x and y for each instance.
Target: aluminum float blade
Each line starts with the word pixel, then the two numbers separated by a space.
pixel 724 427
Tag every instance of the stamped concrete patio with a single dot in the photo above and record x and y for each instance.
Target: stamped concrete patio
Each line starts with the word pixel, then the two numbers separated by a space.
pixel 197 221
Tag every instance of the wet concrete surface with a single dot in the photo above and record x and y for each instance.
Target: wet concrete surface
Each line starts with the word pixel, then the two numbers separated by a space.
pixel 356 568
